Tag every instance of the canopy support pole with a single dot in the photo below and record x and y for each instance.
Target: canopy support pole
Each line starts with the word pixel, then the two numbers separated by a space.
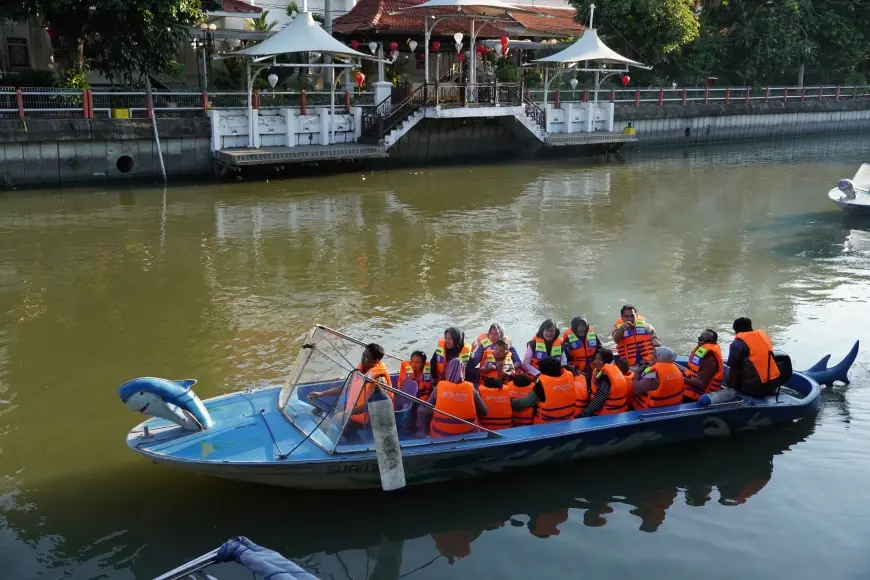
pixel 332 106
pixel 472 64
pixel 426 35
pixel 250 103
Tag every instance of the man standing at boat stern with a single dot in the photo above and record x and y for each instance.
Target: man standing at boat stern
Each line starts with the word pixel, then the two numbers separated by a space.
pixel 635 338
pixel 752 368
pixel 360 391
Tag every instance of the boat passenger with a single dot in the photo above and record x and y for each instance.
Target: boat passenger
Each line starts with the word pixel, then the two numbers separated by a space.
pixel 580 345
pixel 704 369
pixel 581 393
pixel 623 366
pixel 459 398
pixel 752 369
pixel 635 338
pixel 660 384
pixel 547 343
pixel 418 370
pixel 609 391
pixel 451 346
pixel 498 361
pixel 519 387
pixel 489 338
pixel 359 392
pixel 552 395
pixel 497 399
pixel 483 346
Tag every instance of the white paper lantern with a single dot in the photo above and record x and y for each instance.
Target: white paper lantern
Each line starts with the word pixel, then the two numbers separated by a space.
pixel 498 49
pixel 373 46
pixel 573 83
pixel 273 80
pixel 457 37
pixel 412 45
pixel 394 55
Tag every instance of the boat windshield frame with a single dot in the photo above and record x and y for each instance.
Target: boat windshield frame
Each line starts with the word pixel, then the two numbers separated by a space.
pixel 316 419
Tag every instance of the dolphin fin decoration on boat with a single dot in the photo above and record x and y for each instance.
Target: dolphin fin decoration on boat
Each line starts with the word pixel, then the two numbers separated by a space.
pixel 827 376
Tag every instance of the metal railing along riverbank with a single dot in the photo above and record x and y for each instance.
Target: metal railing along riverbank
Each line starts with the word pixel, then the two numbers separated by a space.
pixel 51 103
pixel 702 95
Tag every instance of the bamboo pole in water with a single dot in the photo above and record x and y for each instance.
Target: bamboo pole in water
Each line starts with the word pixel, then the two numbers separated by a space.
pixel 150 97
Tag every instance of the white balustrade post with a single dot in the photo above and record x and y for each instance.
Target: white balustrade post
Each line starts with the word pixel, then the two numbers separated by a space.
pixel 290 125
pixel 324 126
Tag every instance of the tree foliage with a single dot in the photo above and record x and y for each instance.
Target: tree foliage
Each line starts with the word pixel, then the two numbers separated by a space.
pixel 647 30
pixel 122 39
pixel 743 42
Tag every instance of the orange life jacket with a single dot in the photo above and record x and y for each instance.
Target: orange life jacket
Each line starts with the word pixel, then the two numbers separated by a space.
pixel 498 408
pixel 484 341
pixel 582 394
pixel 489 367
pixel 760 354
pixel 424 382
pixel 440 358
pixel 458 400
pixel 560 398
pixel 539 349
pixel 360 391
pixel 694 365
pixel 669 391
pixel 636 345
pixel 526 416
pixel 580 349
pixel 617 402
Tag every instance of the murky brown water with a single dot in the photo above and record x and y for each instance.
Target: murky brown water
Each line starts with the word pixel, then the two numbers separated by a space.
pixel 220 283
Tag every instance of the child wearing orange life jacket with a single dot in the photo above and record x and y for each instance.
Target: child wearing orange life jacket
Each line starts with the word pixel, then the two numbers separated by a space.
pixel 519 387
pixel 498 404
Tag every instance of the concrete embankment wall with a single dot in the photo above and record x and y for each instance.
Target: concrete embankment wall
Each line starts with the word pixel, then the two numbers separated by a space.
pixel 681 125
pixel 455 140
pixel 49 152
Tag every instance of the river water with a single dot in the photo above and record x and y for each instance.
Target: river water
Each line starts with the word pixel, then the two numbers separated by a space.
pixel 220 283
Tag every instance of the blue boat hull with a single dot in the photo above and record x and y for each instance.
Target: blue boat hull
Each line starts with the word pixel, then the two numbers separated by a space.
pixel 251 436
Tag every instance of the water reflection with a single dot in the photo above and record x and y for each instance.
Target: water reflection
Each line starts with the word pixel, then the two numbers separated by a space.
pixel 131 513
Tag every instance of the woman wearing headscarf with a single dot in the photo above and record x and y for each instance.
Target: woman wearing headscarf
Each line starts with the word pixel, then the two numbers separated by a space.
pixel 451 346
pixel 487 342
pixel 580 345
pixel 547 343
pixel 452 397
pixel 661 383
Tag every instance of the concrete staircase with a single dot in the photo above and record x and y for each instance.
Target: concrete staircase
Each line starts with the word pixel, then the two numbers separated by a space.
pixel 402 128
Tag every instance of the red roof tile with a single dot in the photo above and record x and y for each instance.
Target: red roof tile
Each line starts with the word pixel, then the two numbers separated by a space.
pixel 238 6
pixel 550 20
pixel 374 15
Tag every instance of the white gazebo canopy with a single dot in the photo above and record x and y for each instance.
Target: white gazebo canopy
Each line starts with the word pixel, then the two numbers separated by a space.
pixel 303 34
pixel 589 47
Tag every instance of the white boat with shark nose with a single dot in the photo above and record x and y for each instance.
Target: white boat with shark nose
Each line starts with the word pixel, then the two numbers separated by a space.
pixel 853 195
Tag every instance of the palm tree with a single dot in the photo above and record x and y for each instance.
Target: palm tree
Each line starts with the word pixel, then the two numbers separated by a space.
pixel 260 24
pixel 294 7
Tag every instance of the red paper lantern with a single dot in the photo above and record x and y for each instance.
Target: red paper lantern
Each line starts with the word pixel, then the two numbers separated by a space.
pixel 504 42
pixel 394 46
pixel 625 79
pixel 360 78
pixel 354 44
pixel 436 45
pixel 461 56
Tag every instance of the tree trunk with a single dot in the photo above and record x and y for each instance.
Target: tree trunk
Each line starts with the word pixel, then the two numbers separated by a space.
pixel 80 54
